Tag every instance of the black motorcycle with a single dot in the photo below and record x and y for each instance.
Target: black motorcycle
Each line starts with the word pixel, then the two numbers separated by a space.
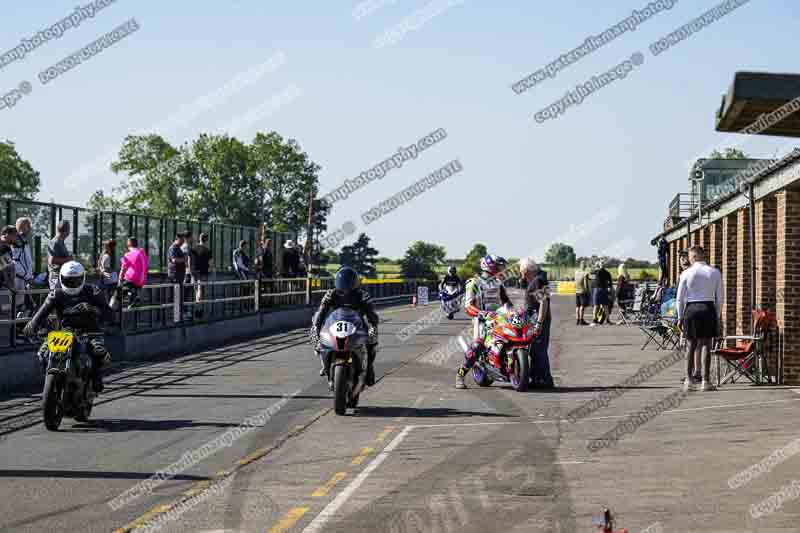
pixel 68 387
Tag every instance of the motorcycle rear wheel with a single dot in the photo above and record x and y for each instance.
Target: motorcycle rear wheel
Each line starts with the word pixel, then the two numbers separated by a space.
pixel 52 413
pixel 340 389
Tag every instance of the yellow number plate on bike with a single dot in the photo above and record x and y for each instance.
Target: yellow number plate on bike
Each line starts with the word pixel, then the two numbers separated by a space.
pixel 59 341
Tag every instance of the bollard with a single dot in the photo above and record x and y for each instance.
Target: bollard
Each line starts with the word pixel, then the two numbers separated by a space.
pixel 414 301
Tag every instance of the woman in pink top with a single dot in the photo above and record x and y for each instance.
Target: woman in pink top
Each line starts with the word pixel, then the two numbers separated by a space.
pixel 133 275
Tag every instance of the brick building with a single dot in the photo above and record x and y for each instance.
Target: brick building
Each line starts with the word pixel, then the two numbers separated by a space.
pixel 762 104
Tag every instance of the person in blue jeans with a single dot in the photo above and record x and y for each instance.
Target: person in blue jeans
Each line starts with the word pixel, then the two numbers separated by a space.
pixel 537 301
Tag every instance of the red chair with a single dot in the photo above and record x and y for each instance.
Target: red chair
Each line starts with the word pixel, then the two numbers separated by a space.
pixel 743 360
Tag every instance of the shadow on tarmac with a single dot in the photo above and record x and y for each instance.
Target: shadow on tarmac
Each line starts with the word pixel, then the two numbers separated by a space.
pixel 90 474
pixel 413 412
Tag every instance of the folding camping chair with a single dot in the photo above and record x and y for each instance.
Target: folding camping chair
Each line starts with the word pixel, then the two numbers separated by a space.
pixel 745 359
pixel 664 333
pixel 629 312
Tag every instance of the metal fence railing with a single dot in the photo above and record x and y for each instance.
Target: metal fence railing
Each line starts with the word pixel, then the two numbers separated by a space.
pixel 90 228
pixel 167 305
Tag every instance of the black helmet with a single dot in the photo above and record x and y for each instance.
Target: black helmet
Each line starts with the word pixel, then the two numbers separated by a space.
pixel 346 280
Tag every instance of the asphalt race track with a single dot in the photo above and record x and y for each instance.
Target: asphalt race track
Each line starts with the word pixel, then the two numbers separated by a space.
pixel 416 456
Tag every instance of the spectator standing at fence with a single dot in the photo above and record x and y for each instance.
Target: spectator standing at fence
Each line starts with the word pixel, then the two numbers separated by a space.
pixel 266 261
pixel 133 274
pixel 241 262
pixel 291 260
pixel 176 265
pixel 8 236
pixel 537 304
pixel 699 305
pixel 23 261
pixel 203 265
pixel 57 253
pixel 582 293
pixel 109 279
pixel 187 248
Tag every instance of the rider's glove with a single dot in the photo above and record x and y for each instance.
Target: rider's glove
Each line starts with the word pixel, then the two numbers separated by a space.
pixel 28 330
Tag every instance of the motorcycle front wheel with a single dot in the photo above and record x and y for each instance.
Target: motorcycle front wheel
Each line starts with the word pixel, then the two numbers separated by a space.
pixel 85 410
pixel 481 375
pixel 51 402
pixel 521 376
pixel 340 389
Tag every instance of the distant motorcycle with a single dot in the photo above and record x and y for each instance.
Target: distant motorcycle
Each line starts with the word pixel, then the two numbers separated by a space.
pixel 449 297
pixel 508 338
pixel 343 343
pixel 68 387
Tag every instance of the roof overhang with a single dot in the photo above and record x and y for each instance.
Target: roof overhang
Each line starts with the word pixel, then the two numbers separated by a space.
pixel 760 103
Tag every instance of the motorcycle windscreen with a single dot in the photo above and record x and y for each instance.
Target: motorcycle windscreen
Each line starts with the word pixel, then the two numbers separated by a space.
pixel 343 314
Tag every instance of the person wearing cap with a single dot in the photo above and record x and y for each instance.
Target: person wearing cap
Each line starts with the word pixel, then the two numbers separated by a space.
pixel 291 260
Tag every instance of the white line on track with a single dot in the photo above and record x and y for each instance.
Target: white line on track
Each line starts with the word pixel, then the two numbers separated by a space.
pixel 322 518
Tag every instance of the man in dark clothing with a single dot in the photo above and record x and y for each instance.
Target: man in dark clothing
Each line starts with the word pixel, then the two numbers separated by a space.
pixel 266 260
pixel 601 288
pixel 202 265
pixel 663 252
pixel 291 260
pixel 57 253
pixel 347 294
pixel 537 304
pixel 176 265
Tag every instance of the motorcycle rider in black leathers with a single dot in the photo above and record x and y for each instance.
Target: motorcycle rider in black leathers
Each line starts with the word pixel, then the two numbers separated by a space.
pixel 348 294
pixel 77 306
pixel 451 278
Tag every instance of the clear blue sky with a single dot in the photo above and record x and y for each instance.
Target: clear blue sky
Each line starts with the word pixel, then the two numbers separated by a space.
pixel 524 183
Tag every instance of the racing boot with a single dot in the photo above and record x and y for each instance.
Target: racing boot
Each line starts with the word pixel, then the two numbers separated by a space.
pixel 97 381
pixel 462 372
pixel 370 377
pixel 322 368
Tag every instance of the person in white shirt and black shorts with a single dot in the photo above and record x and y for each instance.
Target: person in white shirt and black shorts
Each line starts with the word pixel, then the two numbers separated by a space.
pixel 699 306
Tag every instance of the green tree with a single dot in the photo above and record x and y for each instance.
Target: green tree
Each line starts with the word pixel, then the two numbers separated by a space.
pixel 730 153
pixel 420 259
pixel 153 185
pixel 220 183
pixel 560 254
pixel 18 179
pixel 100 201
pixel 360 256
pixel 287 177
pixel 472 263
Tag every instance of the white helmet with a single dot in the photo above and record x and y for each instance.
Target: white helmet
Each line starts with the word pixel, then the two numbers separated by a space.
pixel 72 277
